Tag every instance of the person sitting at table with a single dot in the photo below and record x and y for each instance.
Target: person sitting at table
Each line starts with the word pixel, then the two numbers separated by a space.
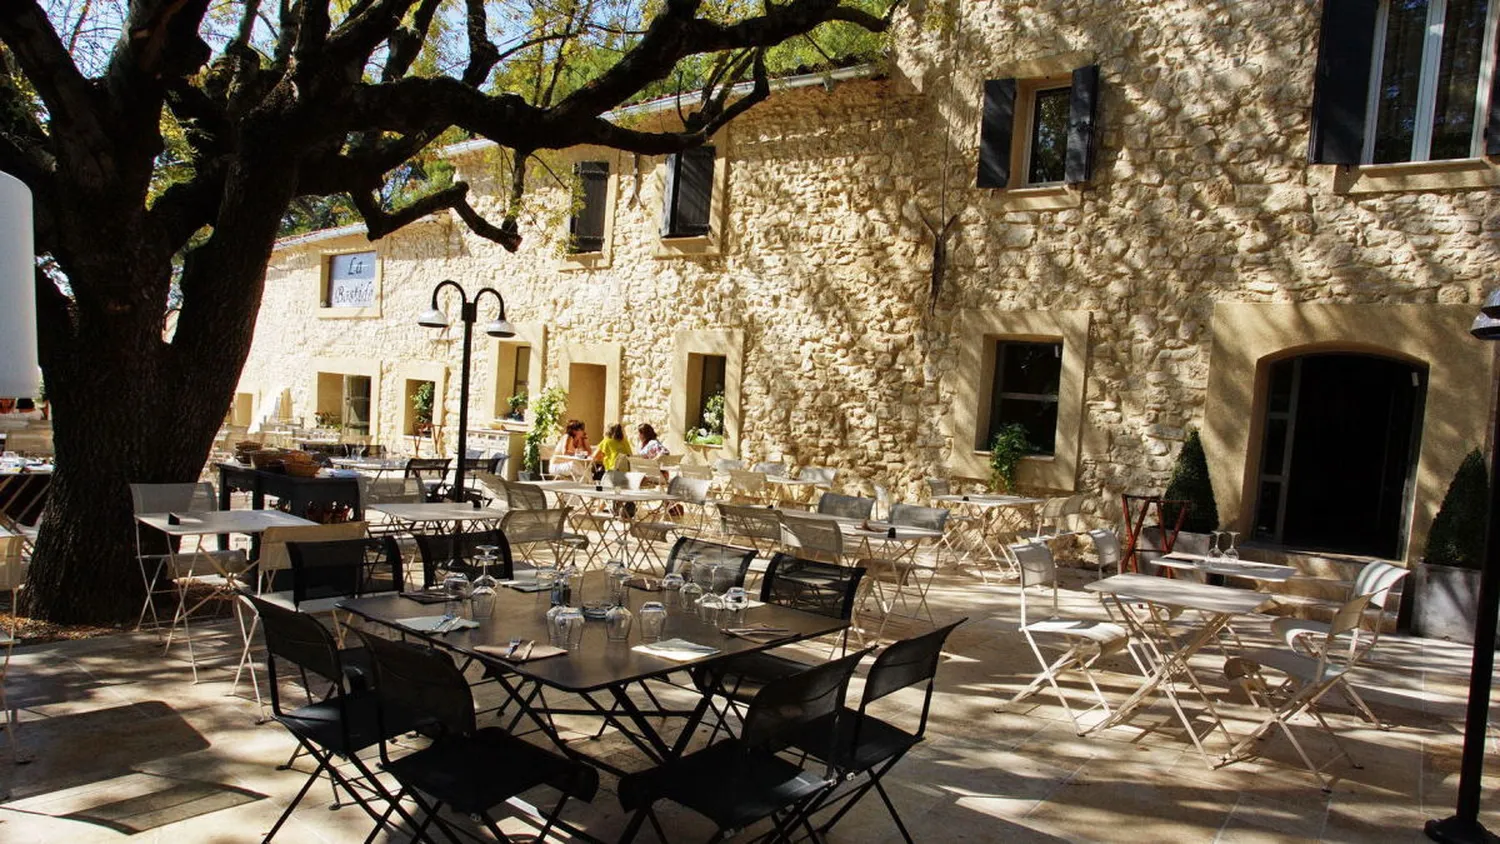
pixel 572 455
pixel 612 448
pixel 651 447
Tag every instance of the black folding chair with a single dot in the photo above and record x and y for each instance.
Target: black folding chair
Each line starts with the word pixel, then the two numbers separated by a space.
pixel 808 585
pixel 430 472
pixel 743 781
pixel 696 558
pixel 866 746
pixel 455 552
pixel 468 769
pixel 342 723
pixel 344 568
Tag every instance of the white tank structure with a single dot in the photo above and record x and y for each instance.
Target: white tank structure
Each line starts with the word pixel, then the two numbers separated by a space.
pixel 19 372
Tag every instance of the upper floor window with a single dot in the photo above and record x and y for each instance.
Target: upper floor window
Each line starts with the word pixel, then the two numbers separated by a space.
pixel 586 226
pixel 1027 378
pixel 689 193
pixel 1405 80
pixel 1039 132
pixel 349 281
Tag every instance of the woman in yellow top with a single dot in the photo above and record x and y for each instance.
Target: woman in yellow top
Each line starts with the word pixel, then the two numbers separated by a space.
pixel 612 447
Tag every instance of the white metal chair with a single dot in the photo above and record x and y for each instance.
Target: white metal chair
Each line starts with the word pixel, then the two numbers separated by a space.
pixel 1308 679
pixel 1107 551
pixel 694 499
pixel 906 571
pixel 770 468
pixel 759 527
pixel 526 529
pixel 812 539
pixel 746 487
pixel 212 568
pixel 1082 642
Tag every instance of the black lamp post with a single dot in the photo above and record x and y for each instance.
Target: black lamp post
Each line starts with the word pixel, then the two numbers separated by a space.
pixel 469 313
pixel 1464 826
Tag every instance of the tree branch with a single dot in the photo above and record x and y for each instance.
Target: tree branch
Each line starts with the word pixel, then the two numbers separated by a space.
pixel 67 94
pixel 406 44
pixel 482 51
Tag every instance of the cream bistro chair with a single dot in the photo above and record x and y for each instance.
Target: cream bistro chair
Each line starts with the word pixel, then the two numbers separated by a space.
pixel 746 487
pixel 899 573
pixel 1082 642
pixel 694 500
pixel 812 539
pixel 696 471
pixel 1107 551
pixel 527 529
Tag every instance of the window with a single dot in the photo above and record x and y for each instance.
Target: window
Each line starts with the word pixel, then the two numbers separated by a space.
pixel 689 193
pixel 1405 80
pixel 350 280
pixel 706 379
pixel 586 227
pixel 1025 391
pixel 520 385
pixel 343 402
pixel 1039 132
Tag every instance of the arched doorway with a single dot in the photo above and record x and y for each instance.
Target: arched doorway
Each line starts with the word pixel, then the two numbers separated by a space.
pixel 1338 453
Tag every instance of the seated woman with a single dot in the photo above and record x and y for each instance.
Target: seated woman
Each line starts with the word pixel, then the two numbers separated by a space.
pixel 612 448
pixel 651 447
pixel 573 457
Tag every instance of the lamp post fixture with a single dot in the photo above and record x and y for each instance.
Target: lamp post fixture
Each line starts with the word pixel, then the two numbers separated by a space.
pixel 469 314
pixel 1464 826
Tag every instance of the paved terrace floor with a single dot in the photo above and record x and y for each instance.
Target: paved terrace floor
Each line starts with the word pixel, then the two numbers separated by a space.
pixel 123 745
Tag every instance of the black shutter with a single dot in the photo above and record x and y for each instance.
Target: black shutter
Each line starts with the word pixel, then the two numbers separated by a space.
pixel 995 131
pixel 694 183
pixel 1341 86
pixel 1492 128
pixel 1083 107
pixel 587 225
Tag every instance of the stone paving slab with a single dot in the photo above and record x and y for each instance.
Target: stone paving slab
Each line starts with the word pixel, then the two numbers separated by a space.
pixel 122 745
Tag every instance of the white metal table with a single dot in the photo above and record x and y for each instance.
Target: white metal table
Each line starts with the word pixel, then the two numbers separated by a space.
pixel 1248 569
pixel 613 527
pixel 1161 658
pixel 993 522
pixel 437 513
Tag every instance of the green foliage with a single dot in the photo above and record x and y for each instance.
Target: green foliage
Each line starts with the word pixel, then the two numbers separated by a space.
pixel 710 430
pixel 546 418
pixel 1006 450
pixel 1457 537
pixel 328 419
pixel 421 402
pixel 1190 483
pixel 517 405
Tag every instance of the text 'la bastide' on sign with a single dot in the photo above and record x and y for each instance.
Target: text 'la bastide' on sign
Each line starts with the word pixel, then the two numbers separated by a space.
pixel 351 280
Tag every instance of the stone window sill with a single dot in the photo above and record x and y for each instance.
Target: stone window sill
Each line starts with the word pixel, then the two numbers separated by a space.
pixel 1454 174
pixel 1041 198
pixel 349 313
pixel 688 247
pixel 584 261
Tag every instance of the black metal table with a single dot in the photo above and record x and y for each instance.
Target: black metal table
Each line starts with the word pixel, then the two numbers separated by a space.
pixel 599 668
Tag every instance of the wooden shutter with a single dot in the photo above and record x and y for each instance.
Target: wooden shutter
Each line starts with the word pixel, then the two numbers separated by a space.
pixel 1341 85
pixel 692 197
pixel 587 225
pixel 669 196
pixel 1083 107
pixel 995 131
pixel 1492 127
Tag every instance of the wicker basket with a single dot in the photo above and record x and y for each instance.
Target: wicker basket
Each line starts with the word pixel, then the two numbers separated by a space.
pixel 265 457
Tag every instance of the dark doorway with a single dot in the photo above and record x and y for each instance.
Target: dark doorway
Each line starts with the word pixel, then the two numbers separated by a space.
pixel 1339 453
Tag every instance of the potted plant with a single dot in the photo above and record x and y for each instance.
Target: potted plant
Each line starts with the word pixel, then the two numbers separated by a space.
pixel 710 432
pixel 546 420
pixel 1008 446
pixel 517 406
pixel 1446 586
pixel 328 419
pixel 421 407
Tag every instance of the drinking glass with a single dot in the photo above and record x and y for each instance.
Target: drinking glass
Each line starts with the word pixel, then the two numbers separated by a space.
pixel 570 624
pixel 709 606
pixel 618 577
pixel 653 621
pixel 671 587
pixel 690 594
pixel 486 558
pixel 456 588
pixel 1232 553
pixel 617 623
pixel 736 599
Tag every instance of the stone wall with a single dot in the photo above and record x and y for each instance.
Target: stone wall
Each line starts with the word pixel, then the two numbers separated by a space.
pixel 1202 198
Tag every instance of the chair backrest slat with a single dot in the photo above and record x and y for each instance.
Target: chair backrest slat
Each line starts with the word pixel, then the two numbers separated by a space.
pixel 694 558
pixel 770 468
pixel 1377 579
pixel 750 522
pixel 818 539
pixel 528 526
pixel 1107 547
pixel 439 550
pixel 813 586
pixel 784 705
pixel 423 682
pixel 273 553
pixel 690 490
pixel 915 515
pixel 519 496
pixel 299 639
pixel 906 663
pixel 343 568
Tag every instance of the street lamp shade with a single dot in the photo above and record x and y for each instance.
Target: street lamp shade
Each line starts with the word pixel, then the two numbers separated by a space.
pixel 1486 327
pixel 432 318
pixel 1491 307
pixel 500 328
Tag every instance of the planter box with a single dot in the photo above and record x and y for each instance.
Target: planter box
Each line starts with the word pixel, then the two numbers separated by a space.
pixel 1446 602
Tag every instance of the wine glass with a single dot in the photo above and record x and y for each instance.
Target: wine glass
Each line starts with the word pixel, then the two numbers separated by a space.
pixel 485 558
pixel 1213 549
pixel 1232 553
pixel 690 594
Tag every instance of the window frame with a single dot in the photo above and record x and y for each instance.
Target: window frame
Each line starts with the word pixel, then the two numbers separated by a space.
pixel 1031 123
pixel 998 395
pixel 1427 84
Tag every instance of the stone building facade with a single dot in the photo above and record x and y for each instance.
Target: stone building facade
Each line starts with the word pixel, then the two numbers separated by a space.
pixel 1206 275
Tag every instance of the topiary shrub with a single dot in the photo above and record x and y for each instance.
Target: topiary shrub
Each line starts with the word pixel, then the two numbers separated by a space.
pixel 1457 536
pixel 1190 483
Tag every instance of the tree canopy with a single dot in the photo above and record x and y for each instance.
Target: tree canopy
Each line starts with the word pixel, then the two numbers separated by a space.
pixel 168 143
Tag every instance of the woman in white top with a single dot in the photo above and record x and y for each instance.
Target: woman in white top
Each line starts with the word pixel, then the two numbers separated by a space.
pixel 651 447
pixel 571 457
